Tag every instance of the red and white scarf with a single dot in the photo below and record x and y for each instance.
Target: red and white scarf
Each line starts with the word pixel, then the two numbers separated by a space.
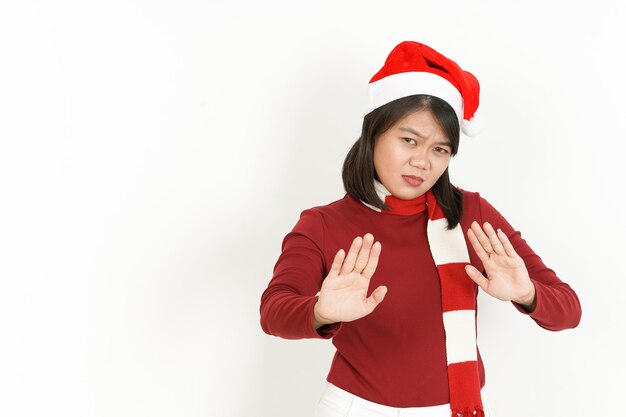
pixel 458 299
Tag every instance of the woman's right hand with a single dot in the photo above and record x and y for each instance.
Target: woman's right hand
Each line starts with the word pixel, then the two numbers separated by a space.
pixel 343 296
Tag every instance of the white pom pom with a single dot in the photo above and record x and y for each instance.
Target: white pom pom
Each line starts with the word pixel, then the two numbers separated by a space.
pixel 473 126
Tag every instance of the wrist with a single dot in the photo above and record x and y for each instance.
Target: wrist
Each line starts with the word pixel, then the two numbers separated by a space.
pixel 318 320
pixel 529 300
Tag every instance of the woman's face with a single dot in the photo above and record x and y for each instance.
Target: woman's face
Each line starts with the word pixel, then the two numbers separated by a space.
pixel 411 156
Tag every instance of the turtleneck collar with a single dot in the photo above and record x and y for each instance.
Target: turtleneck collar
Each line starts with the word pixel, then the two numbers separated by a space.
pixel 397 206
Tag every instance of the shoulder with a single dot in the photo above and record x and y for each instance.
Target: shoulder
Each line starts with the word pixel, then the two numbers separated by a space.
pixel 314 222
pixel 468 195
pixel 476 206
pixel 316 216
pixel 471 199
pixel 344 205
pixel 332 215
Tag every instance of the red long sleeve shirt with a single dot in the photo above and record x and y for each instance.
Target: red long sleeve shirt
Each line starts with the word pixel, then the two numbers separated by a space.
pixel 396 355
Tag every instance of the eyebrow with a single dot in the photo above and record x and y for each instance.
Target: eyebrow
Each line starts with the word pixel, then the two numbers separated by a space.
pixel 445 142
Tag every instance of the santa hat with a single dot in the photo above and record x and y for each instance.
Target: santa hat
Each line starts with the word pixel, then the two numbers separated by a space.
pixel 414 68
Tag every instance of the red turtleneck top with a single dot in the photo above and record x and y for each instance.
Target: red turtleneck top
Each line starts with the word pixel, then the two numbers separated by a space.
pixel 396 355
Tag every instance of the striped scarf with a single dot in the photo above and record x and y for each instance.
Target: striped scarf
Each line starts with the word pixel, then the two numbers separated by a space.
pixel 458 300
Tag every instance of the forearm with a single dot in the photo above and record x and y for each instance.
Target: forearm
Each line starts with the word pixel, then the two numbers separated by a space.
pixel 292 316
pixel 529 301
pixel 556 307
pixel 319 321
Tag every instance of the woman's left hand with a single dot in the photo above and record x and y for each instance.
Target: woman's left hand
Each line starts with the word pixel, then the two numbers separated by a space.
pixel 507 277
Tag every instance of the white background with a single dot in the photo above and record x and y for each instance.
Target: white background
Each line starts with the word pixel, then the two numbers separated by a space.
pixel 153 155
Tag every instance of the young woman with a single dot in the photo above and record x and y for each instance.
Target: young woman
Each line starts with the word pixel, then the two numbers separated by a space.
pixel 391 271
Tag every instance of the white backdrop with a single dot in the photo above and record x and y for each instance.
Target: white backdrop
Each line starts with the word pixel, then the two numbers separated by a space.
pixel 153 154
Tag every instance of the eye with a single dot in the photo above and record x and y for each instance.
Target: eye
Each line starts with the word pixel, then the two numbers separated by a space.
pixel 439 149
pixel 408 140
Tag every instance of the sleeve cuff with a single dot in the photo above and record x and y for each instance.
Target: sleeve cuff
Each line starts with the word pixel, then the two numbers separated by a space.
pixel 538 304
pixel 328 331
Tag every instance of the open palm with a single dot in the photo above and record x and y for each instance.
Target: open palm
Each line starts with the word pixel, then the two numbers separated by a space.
pixel 507 277
pixel 343 296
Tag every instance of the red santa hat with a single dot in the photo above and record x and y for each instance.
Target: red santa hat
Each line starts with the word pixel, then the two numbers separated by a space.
pixel 414 68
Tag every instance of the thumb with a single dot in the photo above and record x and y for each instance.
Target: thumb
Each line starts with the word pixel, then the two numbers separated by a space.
pixel 477 277
pixel 377 296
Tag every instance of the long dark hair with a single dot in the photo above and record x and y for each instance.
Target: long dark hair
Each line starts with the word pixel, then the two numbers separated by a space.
pixel 358 171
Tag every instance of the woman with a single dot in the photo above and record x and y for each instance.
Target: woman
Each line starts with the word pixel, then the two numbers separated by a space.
pixel 400 302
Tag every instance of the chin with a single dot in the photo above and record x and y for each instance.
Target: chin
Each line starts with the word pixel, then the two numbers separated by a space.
pixel 410 195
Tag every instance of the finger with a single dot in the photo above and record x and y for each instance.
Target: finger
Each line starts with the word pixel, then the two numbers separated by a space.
pixel 377 296
pixel 348 263
pixel 372 262
pixel 482 237
pixel 506 244
pixel 477 277
pixel 364 253
pixel 336 266
pixel 480 251
pixel 493 239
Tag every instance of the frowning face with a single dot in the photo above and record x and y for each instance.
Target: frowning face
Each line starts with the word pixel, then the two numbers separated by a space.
pixel 411 156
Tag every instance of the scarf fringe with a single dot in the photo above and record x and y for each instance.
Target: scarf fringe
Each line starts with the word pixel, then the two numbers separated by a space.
pixel 468 413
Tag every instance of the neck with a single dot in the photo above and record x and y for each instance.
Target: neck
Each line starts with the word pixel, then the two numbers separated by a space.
pixel 398 206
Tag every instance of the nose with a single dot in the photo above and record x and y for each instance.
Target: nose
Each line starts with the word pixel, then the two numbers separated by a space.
pixel 419 160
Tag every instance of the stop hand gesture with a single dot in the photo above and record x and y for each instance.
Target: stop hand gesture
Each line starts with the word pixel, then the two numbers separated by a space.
pixel 343 296
pixel 507 277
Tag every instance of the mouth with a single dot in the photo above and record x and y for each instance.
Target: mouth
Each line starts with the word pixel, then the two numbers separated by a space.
pixel 413 180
